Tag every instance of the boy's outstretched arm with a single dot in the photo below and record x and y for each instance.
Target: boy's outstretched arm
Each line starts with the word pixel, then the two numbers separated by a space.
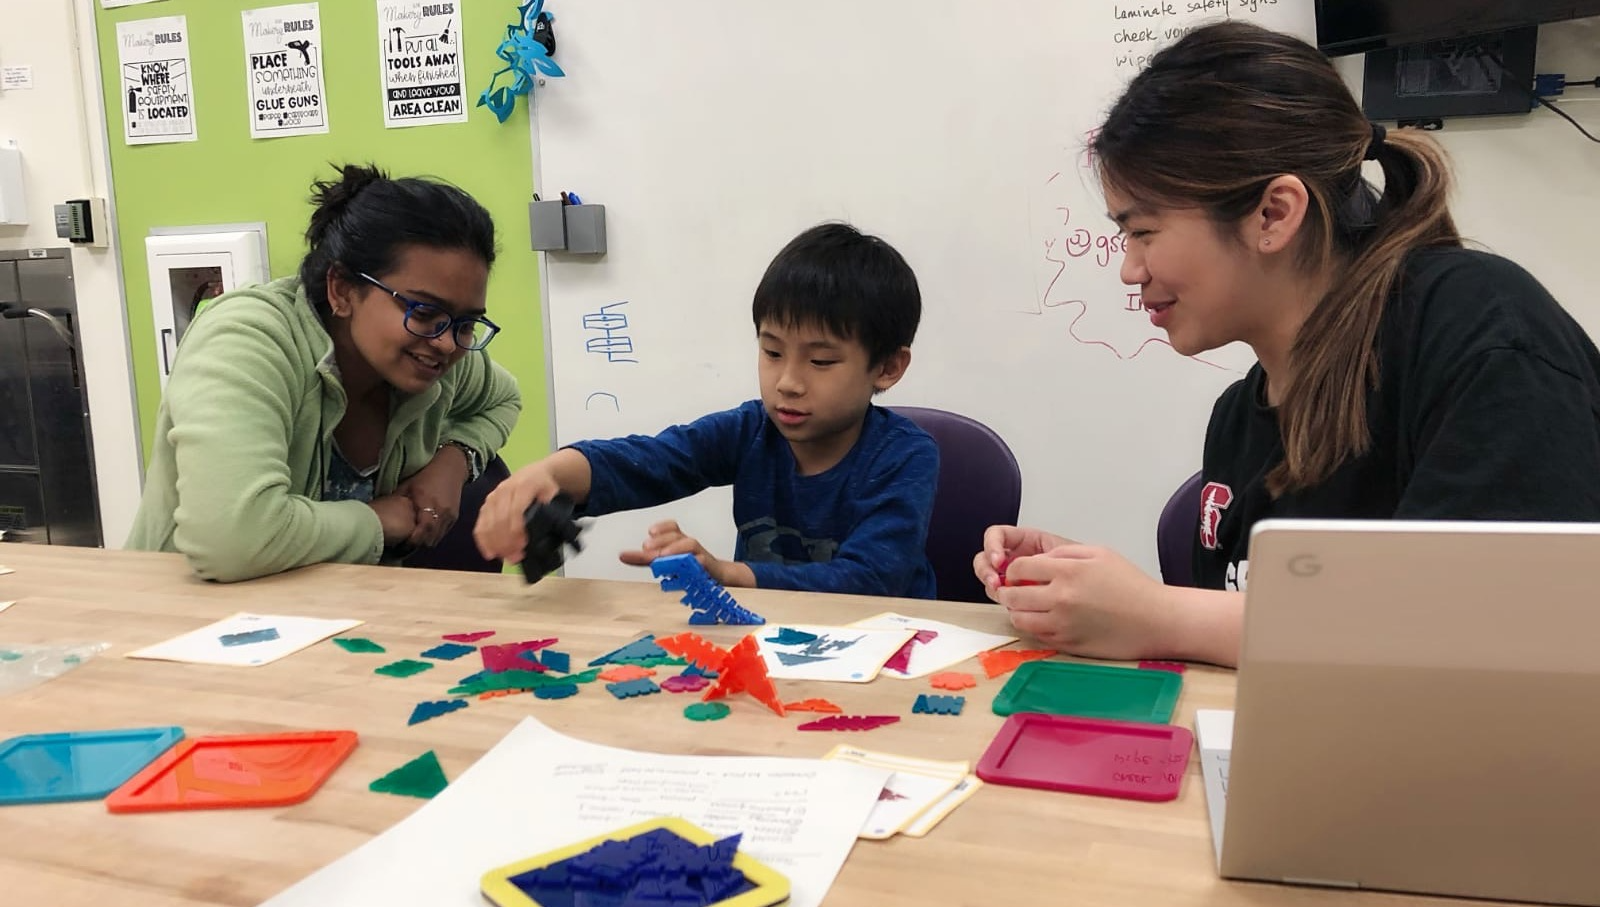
pixel 499 532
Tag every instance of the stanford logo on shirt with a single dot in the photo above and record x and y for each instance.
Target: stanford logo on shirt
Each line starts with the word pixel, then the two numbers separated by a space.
pixel 1214 499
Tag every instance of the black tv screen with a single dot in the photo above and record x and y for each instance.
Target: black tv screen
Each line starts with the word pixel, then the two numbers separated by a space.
pixel 1359 26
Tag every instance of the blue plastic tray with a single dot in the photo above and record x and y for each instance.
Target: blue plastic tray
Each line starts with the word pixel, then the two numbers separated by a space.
pixel 84 765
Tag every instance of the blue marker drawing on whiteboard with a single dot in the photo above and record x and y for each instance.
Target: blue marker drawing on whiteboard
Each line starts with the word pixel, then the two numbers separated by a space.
pixel 612 342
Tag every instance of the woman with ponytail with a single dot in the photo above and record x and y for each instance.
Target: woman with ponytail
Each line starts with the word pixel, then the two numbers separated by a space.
pixel 336 414
pixel 1399 375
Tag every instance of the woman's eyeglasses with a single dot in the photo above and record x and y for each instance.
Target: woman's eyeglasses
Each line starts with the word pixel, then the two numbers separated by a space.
pixel 424 319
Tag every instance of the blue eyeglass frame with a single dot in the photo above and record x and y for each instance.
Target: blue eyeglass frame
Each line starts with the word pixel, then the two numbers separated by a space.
pixel 450 326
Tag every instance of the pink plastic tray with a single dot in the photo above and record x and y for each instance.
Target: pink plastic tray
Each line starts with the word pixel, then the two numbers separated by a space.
pixel 1089 756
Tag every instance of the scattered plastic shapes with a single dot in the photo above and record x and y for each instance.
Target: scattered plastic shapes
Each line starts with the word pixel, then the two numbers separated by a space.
pixel 643 686
pixel 656 662
pixel 745 671
pixel 952 680
pixel 500 694
pixel 404 668
pixel 1000 661
pixel 639 648
pixel 235 771
pixel 1175 667
pixel 685 683
pixel 706 711
pixel 813 705
pixel 557 691
pixel 426 710
pixel 848 723
pixel 357 644
pixel 938 705
pixel 560 662
pixel 709 601
pixel 508 656
pixel 87 765
pixel 704 658
pixel 622 673
pixel 265 634
pixel 449 651
pixel 520 680
pixel 467 637
pixel 789 636
pixel 422 777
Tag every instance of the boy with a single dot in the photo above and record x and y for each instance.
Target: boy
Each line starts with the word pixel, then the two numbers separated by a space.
pixel 830 493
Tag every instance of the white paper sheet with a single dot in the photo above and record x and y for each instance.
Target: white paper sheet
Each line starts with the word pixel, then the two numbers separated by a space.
pixel 537 790
pixel 157 88
pixel 5 605
pixel 284 71
pixel 207 645
pixel 952 646
pixel 424 75
pixel 844 654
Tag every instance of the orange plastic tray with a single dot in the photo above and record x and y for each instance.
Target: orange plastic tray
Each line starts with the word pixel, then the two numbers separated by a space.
pixel 235 771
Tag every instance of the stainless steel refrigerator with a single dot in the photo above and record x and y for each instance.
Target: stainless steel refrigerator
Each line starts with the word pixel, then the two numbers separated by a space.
pixel 47 484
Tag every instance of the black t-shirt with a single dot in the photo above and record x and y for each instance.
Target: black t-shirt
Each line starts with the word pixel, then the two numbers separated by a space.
pixel 1487 408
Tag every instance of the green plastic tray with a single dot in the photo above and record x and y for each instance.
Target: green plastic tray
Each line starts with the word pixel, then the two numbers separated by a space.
pixel 1090 691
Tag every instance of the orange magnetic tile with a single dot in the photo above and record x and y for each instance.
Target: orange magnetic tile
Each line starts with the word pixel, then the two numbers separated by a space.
pixel 953 680
pixel 696 649
pixel 624 673
pixel 235 771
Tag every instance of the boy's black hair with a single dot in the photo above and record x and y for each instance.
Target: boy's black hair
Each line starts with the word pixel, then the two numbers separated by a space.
pixel 364 218
pixel 854 286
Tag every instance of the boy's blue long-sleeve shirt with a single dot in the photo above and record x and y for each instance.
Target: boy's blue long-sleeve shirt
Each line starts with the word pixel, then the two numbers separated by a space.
pixel 858 528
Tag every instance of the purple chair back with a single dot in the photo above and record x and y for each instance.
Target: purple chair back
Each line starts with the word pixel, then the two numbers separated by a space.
pixel 1175 533
pixel 457 551
pixel 980 485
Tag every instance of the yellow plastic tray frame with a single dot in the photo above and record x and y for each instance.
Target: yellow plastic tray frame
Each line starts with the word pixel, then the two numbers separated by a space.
pixel 771 887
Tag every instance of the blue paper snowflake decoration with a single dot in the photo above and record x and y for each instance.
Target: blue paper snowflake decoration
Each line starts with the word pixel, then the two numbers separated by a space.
pixel 529 52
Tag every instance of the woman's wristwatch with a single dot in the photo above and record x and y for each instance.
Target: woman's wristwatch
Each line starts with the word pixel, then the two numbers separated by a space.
pixel 474 460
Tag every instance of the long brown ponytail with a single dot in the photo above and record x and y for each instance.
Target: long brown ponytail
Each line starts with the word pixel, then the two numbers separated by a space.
pixel 1215 118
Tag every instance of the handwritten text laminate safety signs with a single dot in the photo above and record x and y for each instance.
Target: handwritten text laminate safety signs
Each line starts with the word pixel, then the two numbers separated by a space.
pixel 424 74
pixel 283 69
pixel 157 92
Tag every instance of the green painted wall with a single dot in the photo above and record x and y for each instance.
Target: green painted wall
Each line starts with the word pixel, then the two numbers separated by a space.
pixel 226 177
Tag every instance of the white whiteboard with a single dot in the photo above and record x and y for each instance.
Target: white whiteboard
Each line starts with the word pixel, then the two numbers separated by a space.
pixel 714 132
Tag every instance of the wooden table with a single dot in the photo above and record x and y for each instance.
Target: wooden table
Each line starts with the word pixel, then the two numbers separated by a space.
pixel 1004 846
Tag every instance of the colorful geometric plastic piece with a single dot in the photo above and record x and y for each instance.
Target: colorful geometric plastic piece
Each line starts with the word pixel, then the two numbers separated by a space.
pixel 745 671
pixel 813 705
pixel 558 691
pixel 665 862
pixel 1010 582
pixel 699 671
pixel 467 637
pixel 706 711
pixel 710 602
pixel 427 710
pixel 901 659
pixel 55 768
pixel 952 680
pixel 508 656
pixel 234 771
pixel 520 680
pixel 938 705
pixel 357 644
pixel 421 777
pixel 656 662
pixel 848 723
pixel 560 662
pixel 500 694
pixel 789 636
pixel 703 655
pixel 1000 661
pixel 265 634
pixel 404 668
pixel 685 683
pixel 449 651
pixel 621 673
pixel 644 647
pixel 1090 691
pixel 643 686
pixel 1176 667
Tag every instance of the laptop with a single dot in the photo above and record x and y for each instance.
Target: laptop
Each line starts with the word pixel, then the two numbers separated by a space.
pixel 1418 710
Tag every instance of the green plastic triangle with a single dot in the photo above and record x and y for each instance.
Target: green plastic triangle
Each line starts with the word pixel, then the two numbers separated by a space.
pixel 421 777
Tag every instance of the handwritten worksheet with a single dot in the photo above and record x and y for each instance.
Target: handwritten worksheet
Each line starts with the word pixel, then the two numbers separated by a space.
pixel 537 790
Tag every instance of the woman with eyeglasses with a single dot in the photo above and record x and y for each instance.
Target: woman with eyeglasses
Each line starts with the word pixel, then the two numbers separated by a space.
pixel 335 415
